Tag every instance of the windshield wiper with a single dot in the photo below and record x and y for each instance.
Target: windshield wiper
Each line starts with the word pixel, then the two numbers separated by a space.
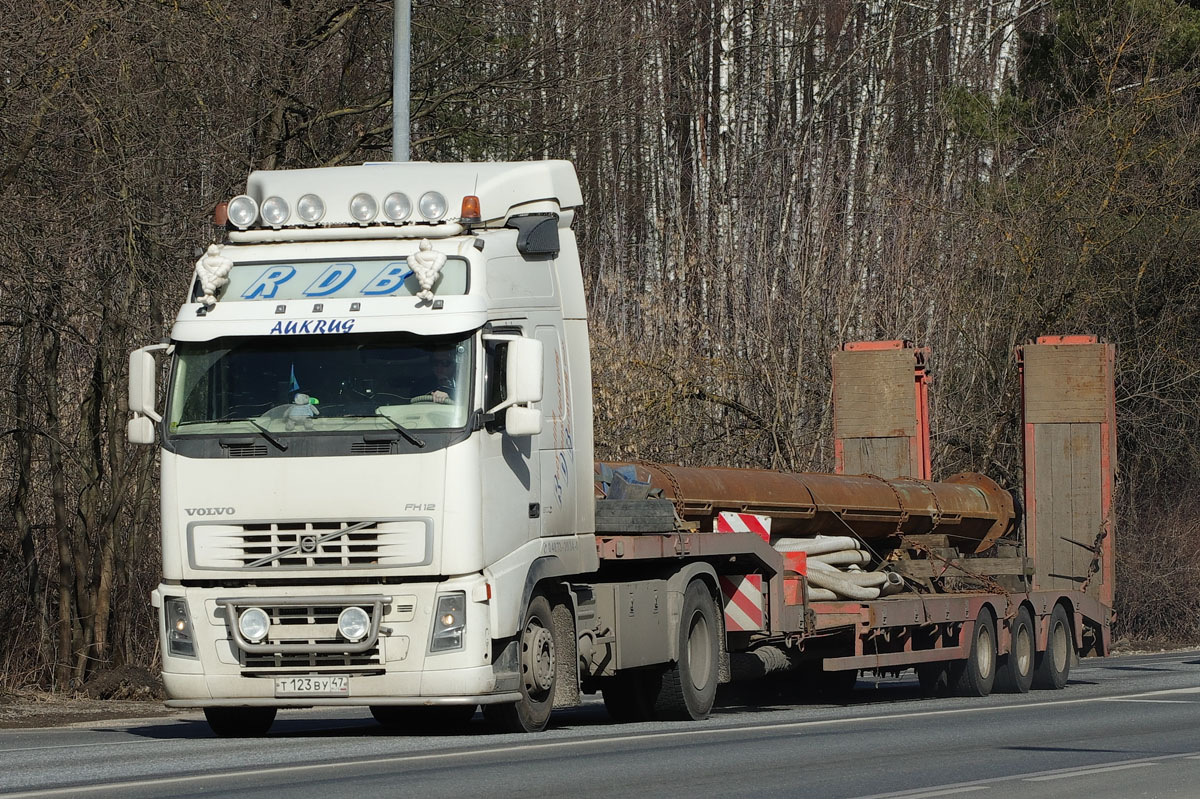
pixel 401 429
pixel 264 431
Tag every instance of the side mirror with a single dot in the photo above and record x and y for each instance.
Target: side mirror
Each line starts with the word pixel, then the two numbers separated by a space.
pixel 522 421
pixel 140 430
pixel 143 370
pixel 143 373
pixel 524 377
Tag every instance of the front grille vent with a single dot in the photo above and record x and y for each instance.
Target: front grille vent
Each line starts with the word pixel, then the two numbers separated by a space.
pixel 245 450
pixel 370 448
pixel 347 544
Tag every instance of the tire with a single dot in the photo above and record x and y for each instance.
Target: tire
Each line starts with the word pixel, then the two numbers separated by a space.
pixel 240 722
pixel 689 685
pixel 629 696
pixel 833 686
pixel 1015 674
pixel 934 678
pixel 421 719
pixel 976 675
pixel 538 666
pixel 1054 665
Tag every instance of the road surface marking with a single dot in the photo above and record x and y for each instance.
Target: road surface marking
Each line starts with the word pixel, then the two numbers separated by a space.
pixel 1159 701
pixel 1088 772
pixel 947 792
pixel 1033 776
pixel 250 771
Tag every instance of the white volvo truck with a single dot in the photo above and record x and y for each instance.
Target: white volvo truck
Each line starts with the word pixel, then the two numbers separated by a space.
pixel 378 487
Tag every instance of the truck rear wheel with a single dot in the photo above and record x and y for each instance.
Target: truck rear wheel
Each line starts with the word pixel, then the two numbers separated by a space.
pixel 538 666
pixel 402 718
pixel 1054 665
pixel 689 685
pixel 1016 669
pixel 240 722
pixel 976 675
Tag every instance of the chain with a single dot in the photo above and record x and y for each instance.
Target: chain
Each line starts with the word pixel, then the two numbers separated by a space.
pixel 899 503
pixel 676 489
pixel 1094 566
pixel 990 585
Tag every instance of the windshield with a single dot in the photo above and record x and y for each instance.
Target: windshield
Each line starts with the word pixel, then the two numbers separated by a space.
pixel 369 381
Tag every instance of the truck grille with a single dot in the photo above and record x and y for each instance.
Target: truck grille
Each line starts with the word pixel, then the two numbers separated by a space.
pixel 306 663
pixel 311 544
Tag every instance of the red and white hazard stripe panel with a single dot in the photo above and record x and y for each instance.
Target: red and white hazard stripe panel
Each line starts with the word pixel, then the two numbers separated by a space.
pixel 743 599
pixel 730 522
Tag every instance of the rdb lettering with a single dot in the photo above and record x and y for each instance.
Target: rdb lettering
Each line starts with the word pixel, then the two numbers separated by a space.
pixel 310 326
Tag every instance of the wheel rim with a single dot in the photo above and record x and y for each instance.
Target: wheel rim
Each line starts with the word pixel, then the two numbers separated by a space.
pixel 985 652
pixel 537 658
pixel 699 650
pixel 1058 646
pixel 1023 650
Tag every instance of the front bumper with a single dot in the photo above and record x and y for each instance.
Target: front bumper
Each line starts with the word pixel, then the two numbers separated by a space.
pixel 394 666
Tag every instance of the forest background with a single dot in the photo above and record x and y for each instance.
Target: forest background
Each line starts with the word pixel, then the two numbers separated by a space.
pixel 763 180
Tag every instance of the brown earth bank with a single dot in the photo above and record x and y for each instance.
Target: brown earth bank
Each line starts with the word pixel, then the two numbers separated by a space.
pixel 134 692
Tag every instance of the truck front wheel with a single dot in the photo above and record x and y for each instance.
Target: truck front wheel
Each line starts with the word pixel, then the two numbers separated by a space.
pixel 240 722
pixel 689 685
pixel 538 665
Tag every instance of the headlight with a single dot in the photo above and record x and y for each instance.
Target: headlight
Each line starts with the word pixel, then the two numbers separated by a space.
pixel 311 208
pixel 432 205
pixel 180 641
pixel 354 624
pixel 363 208
pixel 243 211
pixel 254 624
pixel 449 622
pixel 275 211
pixel 396 206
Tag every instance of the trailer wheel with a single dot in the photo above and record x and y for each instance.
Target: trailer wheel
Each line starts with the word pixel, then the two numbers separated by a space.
pixel 1016 669
pixel 240 722
pixel 629 696
pixel 689 685
pixel 538 669
pixel 1054 665
pixel 934 678
pixel 405 718
pixel 976 675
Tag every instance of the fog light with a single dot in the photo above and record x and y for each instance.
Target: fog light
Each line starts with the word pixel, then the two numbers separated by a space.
pixel 275 211
pixel 243 211
pixel 354 624
pixel 363 208
pixel 432 206
pixel 396 206
pixel 311 208
pixel 254 624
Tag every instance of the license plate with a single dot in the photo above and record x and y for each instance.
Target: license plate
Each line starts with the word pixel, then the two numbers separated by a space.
pixel 325 685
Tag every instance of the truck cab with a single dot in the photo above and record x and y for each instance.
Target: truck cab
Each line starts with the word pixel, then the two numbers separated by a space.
pixel 375 440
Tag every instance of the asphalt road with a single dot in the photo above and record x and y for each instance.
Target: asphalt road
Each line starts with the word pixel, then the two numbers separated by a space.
pixel 1123 727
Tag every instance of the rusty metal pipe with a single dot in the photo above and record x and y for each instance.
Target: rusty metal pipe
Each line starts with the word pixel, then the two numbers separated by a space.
pixel 971 509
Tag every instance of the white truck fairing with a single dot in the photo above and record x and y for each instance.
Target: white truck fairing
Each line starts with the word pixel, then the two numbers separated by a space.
pixel 346 518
